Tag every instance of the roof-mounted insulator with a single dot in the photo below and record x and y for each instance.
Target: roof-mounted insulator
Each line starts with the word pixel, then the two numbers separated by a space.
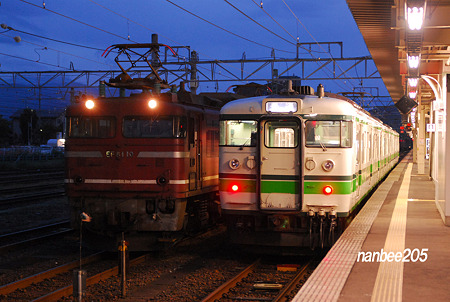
pixel 320 91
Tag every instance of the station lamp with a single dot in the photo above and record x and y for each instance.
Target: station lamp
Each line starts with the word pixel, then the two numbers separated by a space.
pixel 415 13
pixel 412 82
pixel 413 60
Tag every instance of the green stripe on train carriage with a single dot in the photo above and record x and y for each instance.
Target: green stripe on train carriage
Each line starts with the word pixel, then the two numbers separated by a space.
pixel 339 187
pixel 289 187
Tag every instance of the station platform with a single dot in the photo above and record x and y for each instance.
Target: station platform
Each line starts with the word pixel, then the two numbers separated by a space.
pixel 369 262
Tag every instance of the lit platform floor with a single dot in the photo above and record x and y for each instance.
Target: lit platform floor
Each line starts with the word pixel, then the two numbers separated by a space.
pixel 400 218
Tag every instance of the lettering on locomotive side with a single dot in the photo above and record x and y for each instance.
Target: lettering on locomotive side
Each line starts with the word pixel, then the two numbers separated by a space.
pixel 119 154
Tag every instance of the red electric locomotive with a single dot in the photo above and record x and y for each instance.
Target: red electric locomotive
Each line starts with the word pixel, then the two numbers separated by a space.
pixel 145 165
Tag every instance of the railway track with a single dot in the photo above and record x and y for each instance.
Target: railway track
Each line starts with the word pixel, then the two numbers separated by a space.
pixel 56 283
pixel 32 196
pixel 29 236
pixel 14 177
pixel 32 187
pixel 263 282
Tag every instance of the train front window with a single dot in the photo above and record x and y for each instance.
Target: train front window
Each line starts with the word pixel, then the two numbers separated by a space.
pixel 281 134
pixel 328 134
pixel 156 127
pixel 91 126
pixel 238 133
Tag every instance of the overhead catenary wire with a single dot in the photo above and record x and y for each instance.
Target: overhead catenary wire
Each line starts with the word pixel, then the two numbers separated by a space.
pixel 233 6
pixel 29 60
pixel 145 27
pixel 224 29
pixel 314 39
pixel 63 52
pixel 76 20
pixel 51 39
pixel 273 19
pixel 132 21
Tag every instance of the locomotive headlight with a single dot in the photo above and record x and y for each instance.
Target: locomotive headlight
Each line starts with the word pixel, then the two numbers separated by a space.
pixel 234 163
pixel 328 165
pixel 152 104
pixel 89 104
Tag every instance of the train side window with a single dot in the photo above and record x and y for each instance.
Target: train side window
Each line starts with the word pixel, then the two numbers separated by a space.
pixel 180 126
pixel 329 134
pixel 346 134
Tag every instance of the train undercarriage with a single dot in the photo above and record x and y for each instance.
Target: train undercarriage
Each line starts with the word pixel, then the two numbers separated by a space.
pixel 284 233
pixel 145 223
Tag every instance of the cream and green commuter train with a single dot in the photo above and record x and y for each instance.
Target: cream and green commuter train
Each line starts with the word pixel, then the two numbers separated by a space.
pixel 293 168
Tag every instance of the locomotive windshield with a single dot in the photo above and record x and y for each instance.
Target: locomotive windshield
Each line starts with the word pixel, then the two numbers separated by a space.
pixel 156 127
pixel 91 126
pixel 238 133
pixel 328 134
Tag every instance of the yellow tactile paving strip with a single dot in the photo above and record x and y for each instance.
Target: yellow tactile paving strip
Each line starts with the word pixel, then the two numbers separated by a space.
pixel 327 281
pixel 389 282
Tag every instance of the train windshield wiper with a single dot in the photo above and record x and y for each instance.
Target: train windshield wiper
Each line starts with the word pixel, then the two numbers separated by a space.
pixel 323 146
pixel 245 144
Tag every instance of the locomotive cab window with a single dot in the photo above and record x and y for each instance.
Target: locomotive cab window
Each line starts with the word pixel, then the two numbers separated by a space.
pixel 91 126
pixel 157 127
pixel 328 134
pixel 280 134
pixel 238 133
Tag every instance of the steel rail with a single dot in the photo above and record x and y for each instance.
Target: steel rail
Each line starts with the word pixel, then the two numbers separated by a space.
pixel 68 290
pixel 282 296
pixel 217 294
pixel 9 288
pixel 49 227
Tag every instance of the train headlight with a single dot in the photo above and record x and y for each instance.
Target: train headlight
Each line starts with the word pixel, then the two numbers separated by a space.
pixel 234 164
pixel 328 165
pixel 327 190
pixel 89 104
pixel 310 164
pixel 152 104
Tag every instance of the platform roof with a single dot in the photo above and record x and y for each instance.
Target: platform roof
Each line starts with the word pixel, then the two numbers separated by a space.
pixel 383 26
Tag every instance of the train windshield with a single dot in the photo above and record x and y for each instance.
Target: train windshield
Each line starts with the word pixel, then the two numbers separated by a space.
pixel 238 133
pixel 156 127
pixel 281 134
pixel 328 134
pixel 91 126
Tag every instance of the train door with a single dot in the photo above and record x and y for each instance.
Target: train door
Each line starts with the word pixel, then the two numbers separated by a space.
pixel 194 153
pixel 280 181
pixel 358 159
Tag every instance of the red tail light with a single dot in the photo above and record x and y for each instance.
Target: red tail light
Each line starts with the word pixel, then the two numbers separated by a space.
pixel 234 188
pixel 327 190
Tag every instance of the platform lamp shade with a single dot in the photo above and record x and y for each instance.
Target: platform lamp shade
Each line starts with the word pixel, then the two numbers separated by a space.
pixel 405 104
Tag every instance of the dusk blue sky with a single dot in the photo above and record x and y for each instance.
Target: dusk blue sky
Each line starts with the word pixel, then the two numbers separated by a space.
pixel 99 24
